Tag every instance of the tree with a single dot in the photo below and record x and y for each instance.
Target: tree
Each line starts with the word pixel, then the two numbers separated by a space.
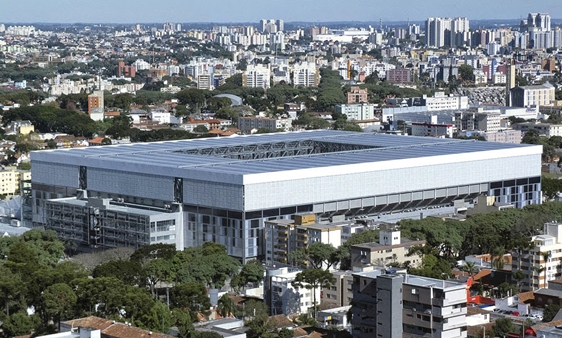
pixel 159 318
pixel 550 312
pixel 58 300
pixel 466 73
pixel 311 279
pixel 503 326
pixel 251 272
pixel 285 333
pixel 225 306
pixel 320 254
pixel 192 296
pixel 182 320
pixel 201 129
pixel 12 290
pixel 19 324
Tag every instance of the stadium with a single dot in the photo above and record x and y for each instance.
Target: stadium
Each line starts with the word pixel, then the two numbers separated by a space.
pixel 223 189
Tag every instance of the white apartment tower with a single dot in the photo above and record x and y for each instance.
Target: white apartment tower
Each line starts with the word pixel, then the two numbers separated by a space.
pixel 257 76
pixel 306 74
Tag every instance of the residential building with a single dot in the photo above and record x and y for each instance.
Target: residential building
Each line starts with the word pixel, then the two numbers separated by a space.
pixel 391 248
pixel 393 305
pixel 257 76
pixel 433 130
pixel 96 106
pixel 341 292
pixel 483 121
pixel 361 111
pixel 334 318
pixel 22 127
pixel 95 327
pixel 10 178
pixel 544 129
pixel 306 74
pixel 204 82
pixel 532 263
pixel 505 136
pixel 357 95
pixel 125 71
pixel 250 124
pixel 231 185
pixel 283 298
pixel 528 96
pixel 399 75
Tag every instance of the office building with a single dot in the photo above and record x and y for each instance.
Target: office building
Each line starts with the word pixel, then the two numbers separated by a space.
pixel 528 96
pixel 226 188
pixel 531 261
pixel 389 306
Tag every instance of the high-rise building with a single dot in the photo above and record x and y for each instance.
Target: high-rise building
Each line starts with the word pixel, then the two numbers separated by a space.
pixel 96 106
pixel 257 76
pixel 447 32
pixel 538 21
pixel 306 74
pixel 280 25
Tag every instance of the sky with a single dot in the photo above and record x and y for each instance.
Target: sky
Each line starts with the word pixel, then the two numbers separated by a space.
pixel 148 11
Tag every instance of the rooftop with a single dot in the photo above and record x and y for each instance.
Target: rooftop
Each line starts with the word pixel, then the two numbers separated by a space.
pixel 275 152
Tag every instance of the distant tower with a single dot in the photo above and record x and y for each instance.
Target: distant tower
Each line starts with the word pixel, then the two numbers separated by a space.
pixel 510 80
pixel 380 24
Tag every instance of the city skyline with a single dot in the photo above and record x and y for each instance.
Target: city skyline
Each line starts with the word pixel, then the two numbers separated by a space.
pixel 143 11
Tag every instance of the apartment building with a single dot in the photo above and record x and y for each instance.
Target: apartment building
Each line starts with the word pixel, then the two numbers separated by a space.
pixel 433 130
pixel 532 263
pixel 479 120
pixel 10 178
pixel 391 248
pixel 357 95
pixel 544 129
pixel 341 292
pixel 505 136
pixel 96 106
pixel 284 236
pixel 402 75
pixel 389 306
pixel 306 74
pixel 361 111
pixel 256 76
pixel 282 298
pixel 248 124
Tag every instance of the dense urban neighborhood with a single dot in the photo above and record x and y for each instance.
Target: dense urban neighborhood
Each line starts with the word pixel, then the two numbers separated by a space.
pixel 282 179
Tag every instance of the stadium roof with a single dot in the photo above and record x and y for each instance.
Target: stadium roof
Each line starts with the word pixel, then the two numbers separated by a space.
pixel 348 148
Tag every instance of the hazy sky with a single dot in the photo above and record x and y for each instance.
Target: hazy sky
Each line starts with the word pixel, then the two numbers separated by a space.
pixel 133 11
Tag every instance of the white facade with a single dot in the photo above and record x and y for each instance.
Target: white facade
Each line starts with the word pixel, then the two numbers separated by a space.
pixel 257 77
pixel 287 299
pixel 440 101
pixel 306 75
pixel 164 117
pixel 247 180
pixel 362 111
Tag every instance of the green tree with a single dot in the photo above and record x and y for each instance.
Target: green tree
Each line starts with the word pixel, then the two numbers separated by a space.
pixel 312 279
pixel 12 290
pixel 58 301
pixel 251 272
pixel 466 73
pixel 503 326
pixel 19 324
pixel 159 318
pixel 128 271
pixel 192 296
pixel 182 320
pixel 201 129
pixel 225 305
pixel 550 312
pixel 285 333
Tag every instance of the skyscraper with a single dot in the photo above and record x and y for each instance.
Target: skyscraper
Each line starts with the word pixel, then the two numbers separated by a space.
pixel 447 32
